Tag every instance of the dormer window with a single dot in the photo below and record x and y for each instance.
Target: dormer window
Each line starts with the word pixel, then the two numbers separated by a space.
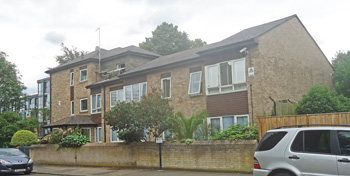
pixel 120 67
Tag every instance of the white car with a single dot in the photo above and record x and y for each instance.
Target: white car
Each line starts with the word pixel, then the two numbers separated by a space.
pixel 304 151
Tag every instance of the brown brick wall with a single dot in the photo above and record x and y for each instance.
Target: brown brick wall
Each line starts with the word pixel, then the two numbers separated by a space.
pixel 287 63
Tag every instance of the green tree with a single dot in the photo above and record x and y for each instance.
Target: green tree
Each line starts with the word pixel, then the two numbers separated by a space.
pixel 320 99
pixel 11 86
pixel 132 118
pixel 167 39
pixel 341 64
pixel 183 127
pixel 68 54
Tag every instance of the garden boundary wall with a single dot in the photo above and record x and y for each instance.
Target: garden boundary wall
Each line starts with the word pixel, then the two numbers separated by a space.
pixel 203 155
pixel 268 123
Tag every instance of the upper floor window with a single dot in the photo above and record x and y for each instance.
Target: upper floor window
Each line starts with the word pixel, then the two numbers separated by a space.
pixel 83 75
pixel 83 105
pixel 95 103
pixel 135 92
pixel 120 67
pixel 195 83
pixel 116 96
pixel 40 88
pixel 166 87
pixel 46 86
pixel 226 76
pixel 71 78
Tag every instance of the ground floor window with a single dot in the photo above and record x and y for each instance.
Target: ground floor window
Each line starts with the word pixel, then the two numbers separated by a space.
pixel 86 132
pixel 114 136
pixel 98 135
pixel 221 123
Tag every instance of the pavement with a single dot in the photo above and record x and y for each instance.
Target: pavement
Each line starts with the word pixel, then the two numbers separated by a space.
pixel 109 171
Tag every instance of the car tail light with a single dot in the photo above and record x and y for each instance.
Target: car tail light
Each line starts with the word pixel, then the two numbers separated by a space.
pixel 256 164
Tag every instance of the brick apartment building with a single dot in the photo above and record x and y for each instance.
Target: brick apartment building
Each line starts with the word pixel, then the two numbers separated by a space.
pixel 236 80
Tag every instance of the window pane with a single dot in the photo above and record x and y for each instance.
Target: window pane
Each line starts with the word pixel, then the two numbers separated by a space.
pixel 83 75
pixel 228 121
pixel 215 125
pixel 213 76
pixel 99 134
pixel 93 102
pixel 114 136
pixel 128 93
pixel 344 142
pixel 143 89
pixel 113 98
pixel 242 120
pixel 99 101
pixel 166 88
pixel 239 72
pixel 270 140
pixel 72 107
pixel 213 90
pixel 120 95
pixel 317 141
pixel 195 80
pixel 226 73
pixel 83 104
pixel 86 132
pixel 72 78
pixel 135 92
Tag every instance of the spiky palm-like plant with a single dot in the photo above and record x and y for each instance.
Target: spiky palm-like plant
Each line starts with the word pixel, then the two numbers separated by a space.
pixel 183 127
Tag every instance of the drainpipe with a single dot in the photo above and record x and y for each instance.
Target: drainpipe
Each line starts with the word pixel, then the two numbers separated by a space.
pixel 274 106
pixel 104 111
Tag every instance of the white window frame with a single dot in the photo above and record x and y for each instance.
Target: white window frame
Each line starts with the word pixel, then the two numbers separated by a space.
pixel 89 132
pixel 200 81
pixel 71 79
pixel 222 121
pixel 117 97
pixel 87 105
pixel 111 139
pixel 86 75
pixel 98 109
pixel 219 86
pixel 161 85
pixel 140 90
pixel 72 107
pixel 97 140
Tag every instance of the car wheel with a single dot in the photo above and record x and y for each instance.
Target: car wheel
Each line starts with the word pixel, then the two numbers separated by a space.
pixel 283 173
pixel 27 172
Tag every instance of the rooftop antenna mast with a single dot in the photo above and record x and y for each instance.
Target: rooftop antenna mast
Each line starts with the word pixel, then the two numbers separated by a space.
pixel 99 49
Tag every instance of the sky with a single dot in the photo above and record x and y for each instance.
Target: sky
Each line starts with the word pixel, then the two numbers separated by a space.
pixel 31 31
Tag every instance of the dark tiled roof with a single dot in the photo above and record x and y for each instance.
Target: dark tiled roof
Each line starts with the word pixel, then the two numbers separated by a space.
pixel 243 36
pixel 105 54
pixel 72 121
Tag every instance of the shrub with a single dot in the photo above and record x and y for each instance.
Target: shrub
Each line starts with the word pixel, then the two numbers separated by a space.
pixel 238 132
pixel 131 135
pixel 23 138
pixel 75 141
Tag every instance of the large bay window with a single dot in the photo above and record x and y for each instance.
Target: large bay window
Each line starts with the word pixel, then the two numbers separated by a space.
pixel 218 124
pixel 226 76
pixel 166 87
pixel 95 103
pixel 135 92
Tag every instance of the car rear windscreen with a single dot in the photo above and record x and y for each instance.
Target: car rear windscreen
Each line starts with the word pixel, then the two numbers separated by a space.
pixel 270 140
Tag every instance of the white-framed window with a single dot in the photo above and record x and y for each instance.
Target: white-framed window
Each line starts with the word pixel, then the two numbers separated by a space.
pixel 114 136
pixel 221 123
pixel 226 76
pixel 83 75
pixel 86 132
pixel 135 92
pixel 195 83
pixel 166 87
pixel 98 134
pixel 71 78
pixel 72 107
pixel 95 103
pixel 115 97
pixel 83 105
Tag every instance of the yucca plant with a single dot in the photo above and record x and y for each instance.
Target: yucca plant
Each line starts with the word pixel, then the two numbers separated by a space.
pixel 183 127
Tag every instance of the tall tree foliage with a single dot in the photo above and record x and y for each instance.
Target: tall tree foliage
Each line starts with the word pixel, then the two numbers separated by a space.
pixel 320 99
pixel 10 123
pixel 341 64
pixel 167 39
pixel 11 86
pixel 68 54
pixel 132 118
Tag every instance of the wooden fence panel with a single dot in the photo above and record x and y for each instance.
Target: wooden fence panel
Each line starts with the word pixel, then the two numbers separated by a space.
pixel 268 123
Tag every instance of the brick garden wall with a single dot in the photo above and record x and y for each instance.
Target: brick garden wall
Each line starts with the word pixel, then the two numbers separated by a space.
pixel 207 155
